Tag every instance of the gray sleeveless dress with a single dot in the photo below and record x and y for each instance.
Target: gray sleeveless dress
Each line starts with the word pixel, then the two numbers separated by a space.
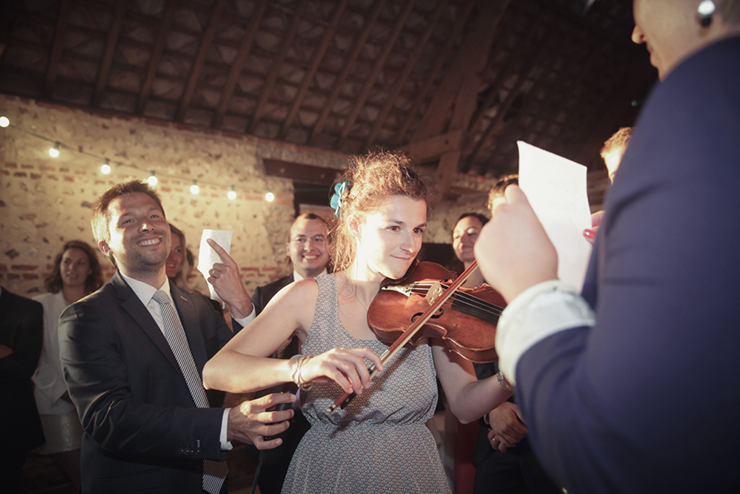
pixel 379 443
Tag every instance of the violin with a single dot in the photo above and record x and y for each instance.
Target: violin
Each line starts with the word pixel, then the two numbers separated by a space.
pixel 466 323
pixel 422 305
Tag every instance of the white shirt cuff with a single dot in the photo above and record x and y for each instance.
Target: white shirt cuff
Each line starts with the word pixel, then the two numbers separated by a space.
pixel 538 312
pixel 246 320
pixel 225 443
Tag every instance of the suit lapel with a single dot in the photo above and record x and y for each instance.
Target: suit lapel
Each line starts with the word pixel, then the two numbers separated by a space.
pixel 189 319
pixel 131 304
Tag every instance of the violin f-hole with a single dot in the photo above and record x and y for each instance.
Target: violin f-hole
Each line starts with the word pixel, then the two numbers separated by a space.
pixel 436 315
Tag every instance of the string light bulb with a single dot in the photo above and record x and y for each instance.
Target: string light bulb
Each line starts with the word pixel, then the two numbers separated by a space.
pixel 269 197
pixel 194 189
pixel 105 167
pixel 152 180
pixel 4 122
pixel 54 151
pixel 231 194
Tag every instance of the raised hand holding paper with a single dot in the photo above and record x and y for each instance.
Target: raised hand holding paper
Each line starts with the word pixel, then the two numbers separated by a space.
pixel 208 257
pixel 556 190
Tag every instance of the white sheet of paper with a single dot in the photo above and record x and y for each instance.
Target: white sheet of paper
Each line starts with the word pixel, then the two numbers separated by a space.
pixel 557 190
pixel 207 257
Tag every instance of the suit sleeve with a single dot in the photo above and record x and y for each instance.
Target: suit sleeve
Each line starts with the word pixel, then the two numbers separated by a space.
pixel 21 364
pixel 112 411
pixel 647 399
pixel 257 300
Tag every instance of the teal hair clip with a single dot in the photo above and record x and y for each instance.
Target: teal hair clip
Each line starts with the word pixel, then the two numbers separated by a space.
pixel 336 199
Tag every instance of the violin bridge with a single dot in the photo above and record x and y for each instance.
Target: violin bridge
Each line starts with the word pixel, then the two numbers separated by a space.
pixel 434 292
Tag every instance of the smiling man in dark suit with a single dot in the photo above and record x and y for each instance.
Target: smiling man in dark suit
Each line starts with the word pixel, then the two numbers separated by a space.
pixel 308 249
pixel 133 363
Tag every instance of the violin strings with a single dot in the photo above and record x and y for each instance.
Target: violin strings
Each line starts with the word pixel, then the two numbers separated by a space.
pixel 463 298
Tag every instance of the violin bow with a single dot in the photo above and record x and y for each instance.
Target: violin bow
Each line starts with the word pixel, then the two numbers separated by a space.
pixel 392 350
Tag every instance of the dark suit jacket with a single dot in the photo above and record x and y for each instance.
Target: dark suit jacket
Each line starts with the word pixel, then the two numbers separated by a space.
pixel 22 329
pixel 143 430
pixel 647 400
pixel 263 294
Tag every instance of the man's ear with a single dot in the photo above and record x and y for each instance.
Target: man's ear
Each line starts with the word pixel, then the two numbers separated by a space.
pixel 103 246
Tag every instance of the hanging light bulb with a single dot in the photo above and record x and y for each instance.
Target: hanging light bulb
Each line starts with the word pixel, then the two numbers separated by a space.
pixel 152 180
pixel 269 197
pixel 105 167
pixel 54 152
pixel 194 189
pixel 4 122
pixel 231 194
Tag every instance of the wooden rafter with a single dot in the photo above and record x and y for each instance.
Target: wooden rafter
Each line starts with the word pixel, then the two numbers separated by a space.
pixel 110 49
pixel 277 64
pixel 495 123
pixel 238 64
pixel 432 148
pixel 348 66
pixel 151 72
pixel 504 72
pixel 462 85
pixel 377 67
pixel 56 47
pixel 311 72
pixel 408 67
pixel 421 95
pixel 200 59
pixel 462 77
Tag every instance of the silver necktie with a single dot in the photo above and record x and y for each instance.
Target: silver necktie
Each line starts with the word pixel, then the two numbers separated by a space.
pixel 214 472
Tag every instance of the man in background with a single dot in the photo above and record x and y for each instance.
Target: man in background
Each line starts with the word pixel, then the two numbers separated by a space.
pixel 308 249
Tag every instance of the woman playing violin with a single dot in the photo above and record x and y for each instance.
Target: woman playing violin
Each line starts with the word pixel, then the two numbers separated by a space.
pixel 379 442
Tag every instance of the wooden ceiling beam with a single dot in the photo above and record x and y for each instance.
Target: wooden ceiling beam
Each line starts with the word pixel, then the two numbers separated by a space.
pixel 432 148
pixel 205 45
pixel 65 6
pixel 504 72
pixel 497 121
pixel 164 30
pixel 348 66
pixel 318 56
pixel 245 47
pixel 297 172
pixel 408 67
pixel 464 79
pixel 277 64
pixel 463 75
pixel 429 80
pixel 375 72
pixel 110 48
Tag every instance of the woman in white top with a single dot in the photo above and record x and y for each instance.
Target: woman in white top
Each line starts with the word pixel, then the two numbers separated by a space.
pixel 76 273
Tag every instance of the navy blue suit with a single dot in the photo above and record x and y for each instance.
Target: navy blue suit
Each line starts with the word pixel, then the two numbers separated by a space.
pixel 648 399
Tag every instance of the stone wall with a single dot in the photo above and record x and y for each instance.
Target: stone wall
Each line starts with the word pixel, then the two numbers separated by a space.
pixel 46 201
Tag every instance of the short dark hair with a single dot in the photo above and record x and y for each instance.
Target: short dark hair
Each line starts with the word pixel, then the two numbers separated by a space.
pixel 481 217
pixel 101 215
pixel 93 281
pixel 308 216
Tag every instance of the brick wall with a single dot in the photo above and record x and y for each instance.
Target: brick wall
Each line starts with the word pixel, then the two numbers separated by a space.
pixel 46 201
